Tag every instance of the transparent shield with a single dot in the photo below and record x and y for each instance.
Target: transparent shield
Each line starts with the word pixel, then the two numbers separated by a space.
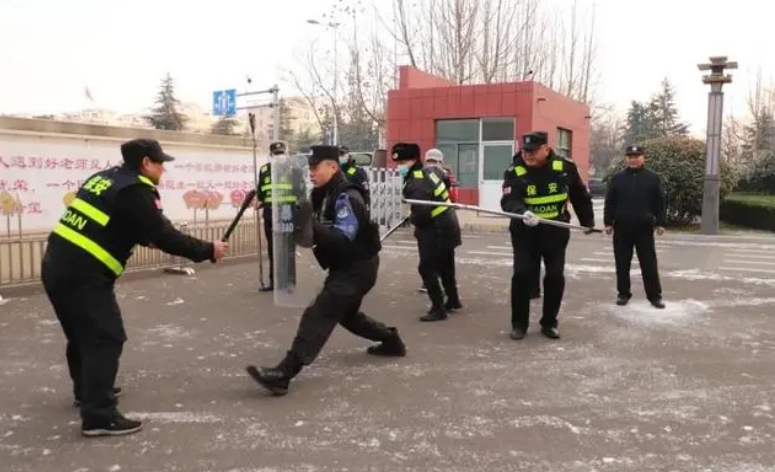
pixel 297 276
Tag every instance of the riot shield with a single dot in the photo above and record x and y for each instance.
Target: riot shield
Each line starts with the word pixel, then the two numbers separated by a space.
pixel 296 274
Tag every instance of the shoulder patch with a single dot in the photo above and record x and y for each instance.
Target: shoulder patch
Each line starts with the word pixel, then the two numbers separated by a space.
pixel 344 217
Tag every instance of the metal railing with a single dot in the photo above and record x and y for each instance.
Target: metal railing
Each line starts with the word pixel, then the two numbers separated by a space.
pixel 21 254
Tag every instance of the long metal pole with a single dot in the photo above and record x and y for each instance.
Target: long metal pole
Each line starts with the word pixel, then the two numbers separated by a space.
pixel 461 206
pixel 336 88
pixel 712 182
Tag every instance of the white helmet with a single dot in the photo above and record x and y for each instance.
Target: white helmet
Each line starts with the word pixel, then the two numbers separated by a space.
pixel 434 155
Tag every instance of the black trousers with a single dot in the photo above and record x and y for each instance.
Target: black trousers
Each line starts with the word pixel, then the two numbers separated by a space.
pixel 339 302
pixel 269 241
pixel 535 289
pixel 91 320
pixel 437 270
pixel 642 240
pixel 530 247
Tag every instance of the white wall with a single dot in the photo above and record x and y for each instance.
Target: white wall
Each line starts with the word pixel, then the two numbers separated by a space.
pixel 40 170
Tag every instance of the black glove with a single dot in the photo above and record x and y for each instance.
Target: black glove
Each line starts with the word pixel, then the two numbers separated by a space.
pixel 303 224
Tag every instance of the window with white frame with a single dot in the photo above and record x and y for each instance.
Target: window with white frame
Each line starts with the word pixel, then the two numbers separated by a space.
pixel 564 143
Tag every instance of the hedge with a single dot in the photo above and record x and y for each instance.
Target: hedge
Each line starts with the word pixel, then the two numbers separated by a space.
pixel 759 176
pixel 680 162
pixel 755 211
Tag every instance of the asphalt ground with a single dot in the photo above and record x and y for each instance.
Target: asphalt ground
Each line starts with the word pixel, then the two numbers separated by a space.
pixel 688 388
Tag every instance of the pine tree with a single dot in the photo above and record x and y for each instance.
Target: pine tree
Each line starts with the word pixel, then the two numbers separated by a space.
pixel 640 124
pixel 165 114
pixel 665 113
pixel 225 126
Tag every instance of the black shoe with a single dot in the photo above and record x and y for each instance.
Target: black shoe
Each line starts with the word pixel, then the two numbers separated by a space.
pixel 453 305
pixel 621 300
pixel 435 314
pixel 391 347
pixel 658 303
pixel 517 334
pixel 117 426
pixel 117 392
pixel 274 380
pixel 551 333
pixel 266 288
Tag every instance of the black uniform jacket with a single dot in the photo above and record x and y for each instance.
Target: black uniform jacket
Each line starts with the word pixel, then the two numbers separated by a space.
pixel 635 198
pixel 442 230
pixel 515 190
pixel 139 214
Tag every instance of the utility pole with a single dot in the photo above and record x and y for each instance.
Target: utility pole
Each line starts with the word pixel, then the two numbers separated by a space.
pixel 712 184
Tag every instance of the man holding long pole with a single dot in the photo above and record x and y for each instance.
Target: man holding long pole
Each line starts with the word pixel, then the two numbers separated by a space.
pixel 539 186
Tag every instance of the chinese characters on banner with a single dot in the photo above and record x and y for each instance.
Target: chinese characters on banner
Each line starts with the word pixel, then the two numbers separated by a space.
pixel 39 178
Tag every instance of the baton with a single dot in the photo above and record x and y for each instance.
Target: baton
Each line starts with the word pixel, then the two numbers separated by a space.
pixel 461 206
pixel 394 228
pixel 245 204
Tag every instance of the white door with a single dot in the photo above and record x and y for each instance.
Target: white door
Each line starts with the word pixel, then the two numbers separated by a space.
pixel 496 157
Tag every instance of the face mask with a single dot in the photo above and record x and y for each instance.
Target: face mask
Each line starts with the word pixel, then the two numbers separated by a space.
pixel 403 170
pixel 343 159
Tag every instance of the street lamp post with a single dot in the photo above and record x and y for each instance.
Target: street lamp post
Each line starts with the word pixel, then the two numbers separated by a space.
pixel 334 26
pixel 712 184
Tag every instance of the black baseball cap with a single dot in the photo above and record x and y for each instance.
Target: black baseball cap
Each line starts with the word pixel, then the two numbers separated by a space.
pixel 534 140
pixel 634 150
pixel 135 150
pixel 322 153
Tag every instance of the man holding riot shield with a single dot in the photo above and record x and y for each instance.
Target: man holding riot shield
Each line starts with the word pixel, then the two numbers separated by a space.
pixel 337 225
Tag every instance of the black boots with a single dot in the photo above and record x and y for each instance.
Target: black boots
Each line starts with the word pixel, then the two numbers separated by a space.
pixel 390 347
pixel 276 379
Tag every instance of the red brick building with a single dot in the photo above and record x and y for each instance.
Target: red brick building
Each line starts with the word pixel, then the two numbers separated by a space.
pixel 478 127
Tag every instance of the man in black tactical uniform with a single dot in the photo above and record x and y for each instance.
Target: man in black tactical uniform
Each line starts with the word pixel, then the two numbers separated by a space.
pixel 264 195
pixel 87 251
pixel 539 185
pixel 436 228
pixel 346 243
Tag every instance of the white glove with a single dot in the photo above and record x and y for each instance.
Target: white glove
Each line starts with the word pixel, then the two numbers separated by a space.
pixel 530 218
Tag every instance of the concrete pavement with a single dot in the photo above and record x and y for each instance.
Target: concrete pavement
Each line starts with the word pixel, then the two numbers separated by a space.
pixel 689 388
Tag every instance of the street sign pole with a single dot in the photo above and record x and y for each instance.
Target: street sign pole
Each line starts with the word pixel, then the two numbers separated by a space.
pixel 712 182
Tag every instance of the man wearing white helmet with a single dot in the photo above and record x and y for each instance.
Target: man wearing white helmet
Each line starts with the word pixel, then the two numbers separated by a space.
pixel 434 160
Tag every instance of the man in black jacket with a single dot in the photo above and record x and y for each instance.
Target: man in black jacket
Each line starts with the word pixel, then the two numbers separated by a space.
pixel 87 252
pixel 634 209
pixel 540 185
pixel 346 243
pixel 436 229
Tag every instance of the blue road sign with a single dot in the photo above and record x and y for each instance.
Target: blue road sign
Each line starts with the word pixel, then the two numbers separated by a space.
pixel 225 102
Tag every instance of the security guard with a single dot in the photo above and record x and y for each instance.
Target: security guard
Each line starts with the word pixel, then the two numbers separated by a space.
pixel 434 161
pixel 346 243
pixel 354 173
pixel 265 202
pixel 634 209
pixel 87 251
pixel 436 228
pixel 539 185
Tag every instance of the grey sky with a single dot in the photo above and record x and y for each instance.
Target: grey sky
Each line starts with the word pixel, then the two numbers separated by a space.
pixel 51 49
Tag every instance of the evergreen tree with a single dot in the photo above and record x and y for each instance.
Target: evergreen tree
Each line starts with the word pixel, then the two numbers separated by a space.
pixel 640 124
pixel 664 113
pixel 225 126
pixel 165 114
